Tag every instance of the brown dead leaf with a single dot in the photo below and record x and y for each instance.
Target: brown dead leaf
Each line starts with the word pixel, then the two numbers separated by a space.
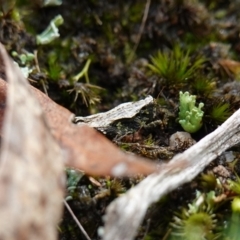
pixel 31 166
pixel 231 67
pixel 83 147
pixel 86 149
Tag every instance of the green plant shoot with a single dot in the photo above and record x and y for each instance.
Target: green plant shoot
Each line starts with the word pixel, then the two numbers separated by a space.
pixel 175 66
pixel 190 116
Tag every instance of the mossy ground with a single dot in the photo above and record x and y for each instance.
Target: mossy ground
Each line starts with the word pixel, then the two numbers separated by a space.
pixel 198 43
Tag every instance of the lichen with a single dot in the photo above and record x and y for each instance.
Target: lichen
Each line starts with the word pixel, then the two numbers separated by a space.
pixel 190 116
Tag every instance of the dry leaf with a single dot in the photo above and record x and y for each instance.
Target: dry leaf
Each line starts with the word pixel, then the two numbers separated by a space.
pixel 83 147
pixel 3 91
pixel 31 166
pixel 231 67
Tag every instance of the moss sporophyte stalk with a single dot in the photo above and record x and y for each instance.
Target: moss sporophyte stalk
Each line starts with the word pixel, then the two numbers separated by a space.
pixel 190 116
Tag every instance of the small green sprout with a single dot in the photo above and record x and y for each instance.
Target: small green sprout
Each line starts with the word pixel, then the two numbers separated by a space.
pixel 235 185
pixel 51 32
pixel 190 116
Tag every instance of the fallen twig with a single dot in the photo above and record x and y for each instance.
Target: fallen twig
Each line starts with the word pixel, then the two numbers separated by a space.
pixel 125 214
pixel 144 19
pixel 76 220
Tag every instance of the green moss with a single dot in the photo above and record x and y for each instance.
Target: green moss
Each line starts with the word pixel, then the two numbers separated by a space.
pixel 54 68
pixel 220 112
pixel 208 181
pixel 235 186
pixel 175 66
pixel 203 85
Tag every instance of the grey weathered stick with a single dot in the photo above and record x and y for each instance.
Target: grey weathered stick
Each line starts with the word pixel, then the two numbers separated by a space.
pixel 124 110
pixel 125 214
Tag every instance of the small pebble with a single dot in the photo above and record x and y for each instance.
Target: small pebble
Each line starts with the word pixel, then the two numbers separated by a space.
pixel 181 141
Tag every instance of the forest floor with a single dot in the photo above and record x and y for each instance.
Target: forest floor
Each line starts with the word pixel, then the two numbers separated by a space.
pixel 111 52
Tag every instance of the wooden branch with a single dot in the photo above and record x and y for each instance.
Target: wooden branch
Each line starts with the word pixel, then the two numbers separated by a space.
pixel 125 214
pixel 124 110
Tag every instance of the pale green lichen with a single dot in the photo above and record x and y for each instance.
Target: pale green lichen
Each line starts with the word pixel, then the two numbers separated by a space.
pixel 51 32
pixel 47 3
pixel 190 116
